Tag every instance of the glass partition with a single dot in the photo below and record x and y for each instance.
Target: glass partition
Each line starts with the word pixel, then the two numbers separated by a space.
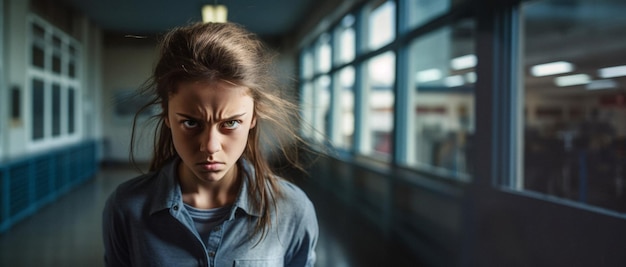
pixel 574 89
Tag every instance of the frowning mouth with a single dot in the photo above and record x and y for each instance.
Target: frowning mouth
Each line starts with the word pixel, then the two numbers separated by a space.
pixel 211 165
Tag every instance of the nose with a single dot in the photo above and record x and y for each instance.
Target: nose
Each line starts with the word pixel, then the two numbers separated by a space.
pixel 211 141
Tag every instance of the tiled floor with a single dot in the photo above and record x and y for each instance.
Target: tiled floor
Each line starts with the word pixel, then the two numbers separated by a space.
pixel 67 232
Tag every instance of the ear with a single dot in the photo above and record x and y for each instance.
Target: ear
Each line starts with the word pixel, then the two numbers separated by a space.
pixel 253 123
pixel 167 122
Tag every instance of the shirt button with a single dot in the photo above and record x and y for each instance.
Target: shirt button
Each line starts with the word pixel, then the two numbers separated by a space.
pixel 175 207
pixel 211 254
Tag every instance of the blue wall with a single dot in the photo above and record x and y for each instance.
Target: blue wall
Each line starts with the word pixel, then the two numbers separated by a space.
pixel 29 183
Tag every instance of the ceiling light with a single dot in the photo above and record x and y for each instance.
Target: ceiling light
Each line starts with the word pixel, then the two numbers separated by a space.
pixel 470 77
pixel 463 62
pixel 214 13
pixel 601 84
pixel 570 80
pixel 611 72
pixel 552 68
pixel 429 75
pixel 453 81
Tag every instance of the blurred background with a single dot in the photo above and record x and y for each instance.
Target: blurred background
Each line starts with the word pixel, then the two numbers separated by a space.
pixel 453 132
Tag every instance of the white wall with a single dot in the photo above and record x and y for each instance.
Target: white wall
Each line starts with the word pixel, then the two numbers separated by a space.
pixel 125 68
pixel 15 13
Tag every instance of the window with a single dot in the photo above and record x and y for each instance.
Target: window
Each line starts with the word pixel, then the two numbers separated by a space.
pixel 382 25
pixel 71 106
pixel 306 106
pixel 419 12
pixel 306 92
pixel 346 42
pixel 344 109
pixel 574 129
pixel 441 100
pixel 38 106
pixel 54 86
pixel 321 107
pixel 323 54
pixel 378 97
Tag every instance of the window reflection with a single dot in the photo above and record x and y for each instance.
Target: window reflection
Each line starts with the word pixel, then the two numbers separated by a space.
pixel 378 115
pixel 574 100
pixel 441 123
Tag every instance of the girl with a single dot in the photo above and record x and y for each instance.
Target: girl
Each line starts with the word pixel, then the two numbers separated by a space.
pixel 210 198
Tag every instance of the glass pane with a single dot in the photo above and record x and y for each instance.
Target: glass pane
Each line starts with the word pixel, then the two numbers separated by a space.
pixel 442 77
pixel 72 50
pixel 419 12
pixel 378 114
pixel 344 118
pixel 56 110
pixel 71 120
pixel 72 69
pixel 346 40
pixel 322 106
pixel 382 25
pixel 38 109
pixel 307 65
pixel 56 42
pixel 323 54
pixel 38 32
pixel 38 56
pixel 575 101
pixel 306 105
pixel 56 63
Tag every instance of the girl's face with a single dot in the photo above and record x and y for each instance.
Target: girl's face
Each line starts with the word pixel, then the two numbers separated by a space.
pixel 210 122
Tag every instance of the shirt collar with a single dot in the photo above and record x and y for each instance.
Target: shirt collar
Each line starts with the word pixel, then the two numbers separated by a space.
pixel 168 193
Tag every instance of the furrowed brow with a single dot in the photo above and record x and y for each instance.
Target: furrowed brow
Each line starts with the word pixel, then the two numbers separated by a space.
pixel 233 117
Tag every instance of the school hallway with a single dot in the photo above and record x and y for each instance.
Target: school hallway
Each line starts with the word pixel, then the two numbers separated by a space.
pixel 67 232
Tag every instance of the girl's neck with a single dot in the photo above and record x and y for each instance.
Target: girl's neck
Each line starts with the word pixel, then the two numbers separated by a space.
pixel 209 194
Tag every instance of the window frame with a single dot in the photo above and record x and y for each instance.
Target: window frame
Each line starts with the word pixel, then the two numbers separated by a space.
pixel 404 34
pixel 63 79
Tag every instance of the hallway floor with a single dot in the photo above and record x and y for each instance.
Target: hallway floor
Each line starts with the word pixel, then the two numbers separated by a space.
pixel 67 232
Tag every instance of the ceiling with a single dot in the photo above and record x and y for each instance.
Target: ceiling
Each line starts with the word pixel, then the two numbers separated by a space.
pixel 270 18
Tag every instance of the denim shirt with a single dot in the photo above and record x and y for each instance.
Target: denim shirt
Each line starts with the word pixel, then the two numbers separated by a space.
pixel 145 223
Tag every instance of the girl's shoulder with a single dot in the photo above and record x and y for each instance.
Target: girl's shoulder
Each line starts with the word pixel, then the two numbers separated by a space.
pixel 293 199
pixel 135 189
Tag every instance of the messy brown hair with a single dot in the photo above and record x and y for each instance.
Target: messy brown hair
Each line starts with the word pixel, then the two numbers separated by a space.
pixel 226 51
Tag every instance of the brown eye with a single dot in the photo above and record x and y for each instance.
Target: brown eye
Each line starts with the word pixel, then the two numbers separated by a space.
pixel 190 124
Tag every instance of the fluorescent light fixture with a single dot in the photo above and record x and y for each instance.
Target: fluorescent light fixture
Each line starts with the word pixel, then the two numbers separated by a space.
pixel 570 80
pixel 611 72
pixel 552 68
pixel 470 77
pixel 601 84
pixel 463 62
pixel 453 81
pixel 429 75
pixel 214 13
